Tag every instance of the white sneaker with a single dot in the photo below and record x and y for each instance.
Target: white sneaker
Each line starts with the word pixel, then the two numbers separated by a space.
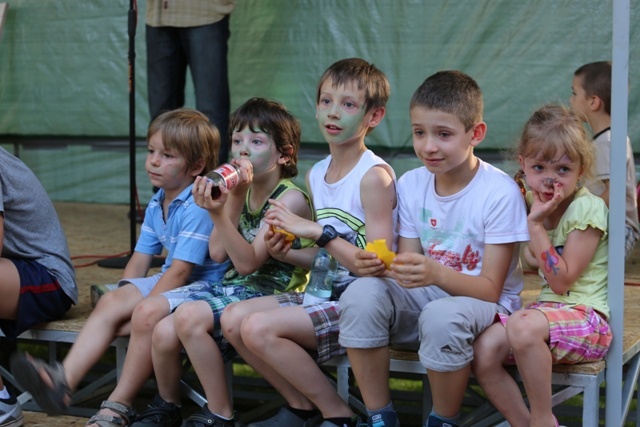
pixel 10 412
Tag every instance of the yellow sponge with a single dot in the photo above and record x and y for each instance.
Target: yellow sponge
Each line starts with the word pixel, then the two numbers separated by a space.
pixel 379 247
pixel 288 237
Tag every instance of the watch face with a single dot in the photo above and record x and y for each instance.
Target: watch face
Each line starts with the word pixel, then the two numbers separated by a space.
pixel 328 234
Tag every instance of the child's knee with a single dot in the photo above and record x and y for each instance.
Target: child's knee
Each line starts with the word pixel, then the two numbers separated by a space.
pixel 525 327
pixel 192 318
pixel 230 321
pixel 164 337
pixel 147 314
pixel 362 297
pixel 255 331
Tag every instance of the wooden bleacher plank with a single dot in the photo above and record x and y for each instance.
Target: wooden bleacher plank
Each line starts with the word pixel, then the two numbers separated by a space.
pixel 39 419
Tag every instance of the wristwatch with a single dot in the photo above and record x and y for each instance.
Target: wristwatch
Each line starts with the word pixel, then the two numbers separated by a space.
pixel 328 234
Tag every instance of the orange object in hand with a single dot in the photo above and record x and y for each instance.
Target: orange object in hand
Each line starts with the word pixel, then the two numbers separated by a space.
pixel 379 247
pixel 288 237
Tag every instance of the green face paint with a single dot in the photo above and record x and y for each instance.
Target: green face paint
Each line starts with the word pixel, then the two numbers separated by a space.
pixel 257 146
pixel 340 113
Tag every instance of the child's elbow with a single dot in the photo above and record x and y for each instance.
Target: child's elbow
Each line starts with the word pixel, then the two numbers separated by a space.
pixel 244 270
pixel 219 258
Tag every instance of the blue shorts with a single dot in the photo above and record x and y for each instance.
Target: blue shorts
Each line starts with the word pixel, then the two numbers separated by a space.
pixel 41 298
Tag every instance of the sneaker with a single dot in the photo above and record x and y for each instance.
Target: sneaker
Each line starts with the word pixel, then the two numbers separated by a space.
pixel 284 417
pixel 161 414
pixel 383 419
pixel 315 421
pixel 204 417
pixel 326 423
pixel 434 421
pixel 10 412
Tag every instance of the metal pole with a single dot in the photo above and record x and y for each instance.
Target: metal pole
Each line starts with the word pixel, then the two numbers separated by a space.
pixel 619 111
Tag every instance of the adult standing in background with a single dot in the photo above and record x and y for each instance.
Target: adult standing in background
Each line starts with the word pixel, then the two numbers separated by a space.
pixel 193 34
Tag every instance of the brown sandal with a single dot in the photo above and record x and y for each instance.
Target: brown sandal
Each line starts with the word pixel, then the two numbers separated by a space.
pixel 126 415
pixel 28 372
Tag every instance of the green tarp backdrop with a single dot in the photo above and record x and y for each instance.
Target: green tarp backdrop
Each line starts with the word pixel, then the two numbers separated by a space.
pixel 63 70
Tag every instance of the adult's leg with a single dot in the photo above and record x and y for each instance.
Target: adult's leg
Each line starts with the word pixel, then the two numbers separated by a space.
pixel 207 48
pixel 9 293
pixel 9 289
pixel 166 70
pixel 490 350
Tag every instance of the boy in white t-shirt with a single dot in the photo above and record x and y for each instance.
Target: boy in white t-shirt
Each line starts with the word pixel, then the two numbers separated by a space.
pixel 461 221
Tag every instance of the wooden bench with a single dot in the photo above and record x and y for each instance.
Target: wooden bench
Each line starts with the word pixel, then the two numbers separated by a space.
pixel 567 380
pixel 65 331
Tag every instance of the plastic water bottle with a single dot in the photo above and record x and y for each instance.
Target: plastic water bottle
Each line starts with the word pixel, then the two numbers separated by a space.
pixel 323 272
pixel 226 174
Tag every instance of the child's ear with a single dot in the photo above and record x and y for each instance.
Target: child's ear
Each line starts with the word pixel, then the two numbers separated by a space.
pixel 521 162
pixel 283 159
pixel 377 114
pixel 197 168
pixel 479 132
pixel 595 102
pixel 284 154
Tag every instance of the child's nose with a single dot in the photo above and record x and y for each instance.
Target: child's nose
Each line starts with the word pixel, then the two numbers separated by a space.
pixel 334 111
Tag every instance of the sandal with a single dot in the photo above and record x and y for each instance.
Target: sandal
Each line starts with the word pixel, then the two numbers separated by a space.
pixel 28 372
pixel 126 415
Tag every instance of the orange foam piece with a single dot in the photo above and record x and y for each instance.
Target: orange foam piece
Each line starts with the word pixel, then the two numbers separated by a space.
pixel 288 237
pixel 379 247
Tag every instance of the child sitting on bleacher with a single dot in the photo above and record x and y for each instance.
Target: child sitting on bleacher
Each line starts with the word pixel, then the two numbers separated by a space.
pixel 182 144
pixel 37 280
pixel 569 244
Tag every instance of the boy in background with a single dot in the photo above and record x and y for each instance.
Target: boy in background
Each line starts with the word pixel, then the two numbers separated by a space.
pixel 591 101
pixel 461 221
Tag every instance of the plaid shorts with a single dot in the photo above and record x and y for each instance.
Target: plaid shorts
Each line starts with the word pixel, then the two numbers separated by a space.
pixel 325 317
pixel 577 333
pixel 218 297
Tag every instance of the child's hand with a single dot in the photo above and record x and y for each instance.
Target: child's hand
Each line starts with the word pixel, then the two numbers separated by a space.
pixel 412 270
pixel 542 208
pixel 281 217
pixel 368 264
pixel 277 244
pixel 201 191
pixel 246 172
pixel 379 247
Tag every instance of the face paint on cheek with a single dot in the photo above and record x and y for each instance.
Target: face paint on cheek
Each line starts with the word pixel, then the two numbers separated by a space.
pixel 350 124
